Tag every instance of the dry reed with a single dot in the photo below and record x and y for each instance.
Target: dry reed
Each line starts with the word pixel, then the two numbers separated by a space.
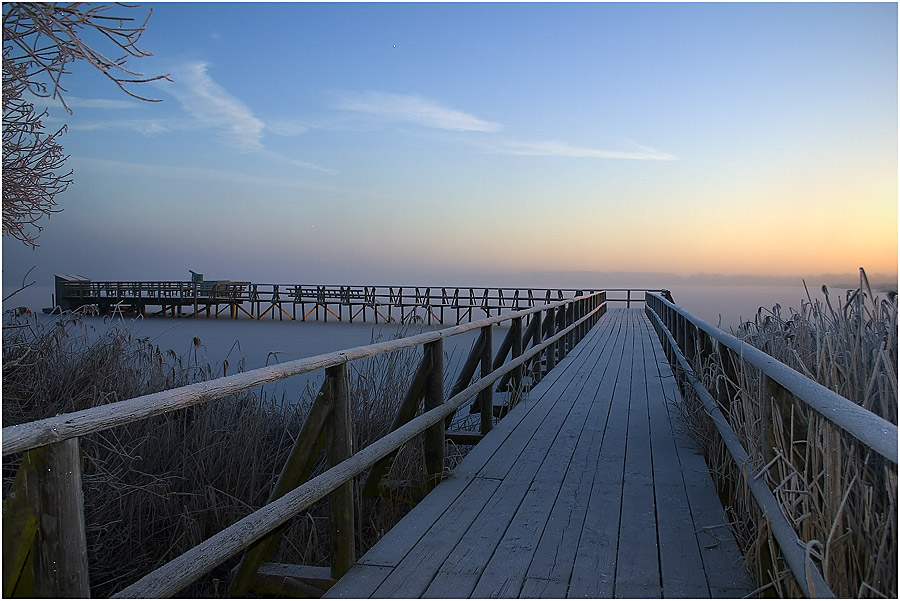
pixel 840 496
pixel 158 487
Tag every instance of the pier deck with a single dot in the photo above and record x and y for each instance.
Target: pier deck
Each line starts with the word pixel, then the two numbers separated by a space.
pixel 586 489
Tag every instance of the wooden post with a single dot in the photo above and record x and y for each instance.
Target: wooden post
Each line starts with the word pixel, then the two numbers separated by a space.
pixel 503 384
pixel 434 397
pixel 465 375
pixel 727 385
pixel 486 396
pixel 551 331
pixel 60 547
pixel 560 326
pixel 342 530
pixel 515 393
pixel 537 368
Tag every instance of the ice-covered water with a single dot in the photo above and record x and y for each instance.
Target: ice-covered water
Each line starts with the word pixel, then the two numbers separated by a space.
pixel 266 342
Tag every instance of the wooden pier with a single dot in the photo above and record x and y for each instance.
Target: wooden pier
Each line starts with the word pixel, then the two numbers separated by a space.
pixel 588 488
pixel 431 305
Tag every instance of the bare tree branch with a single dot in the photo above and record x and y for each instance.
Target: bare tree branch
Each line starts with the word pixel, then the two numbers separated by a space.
pixel 24 285
pixel 40 40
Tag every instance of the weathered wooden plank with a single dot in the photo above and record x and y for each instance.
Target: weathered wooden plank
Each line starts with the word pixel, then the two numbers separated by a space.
pixel 722 560
pixel 593 573
pixel 292 580
pixel 413 576
pixel 394 546
pixel 574 511
pixel 541 588
pixel 554 557
pixel 360 582
pixel 506 571
pixel 637 559
pixel 568 376
pixel 679 553
pixel 460 572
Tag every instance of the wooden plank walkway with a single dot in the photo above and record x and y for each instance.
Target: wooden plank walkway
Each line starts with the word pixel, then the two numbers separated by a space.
pixel 586 489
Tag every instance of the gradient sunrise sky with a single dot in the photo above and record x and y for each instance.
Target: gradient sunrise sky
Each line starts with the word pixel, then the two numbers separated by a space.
pixel 454 143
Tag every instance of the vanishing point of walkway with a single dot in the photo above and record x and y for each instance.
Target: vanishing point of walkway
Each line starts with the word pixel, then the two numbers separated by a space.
pixel 588 488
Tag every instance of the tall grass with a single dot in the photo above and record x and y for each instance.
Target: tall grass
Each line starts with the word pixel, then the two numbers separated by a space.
pixel 155 488
pixel 840 496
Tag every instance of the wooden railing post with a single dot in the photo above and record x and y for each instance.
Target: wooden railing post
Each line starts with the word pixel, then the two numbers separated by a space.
pixel 486 396
pixel 560 326
pixel 515 393
pixel 466 373
pixel 434 397
pixel 536 368
pixel 60 552
pixel 551 331
pixel 728 384
pixel 341 526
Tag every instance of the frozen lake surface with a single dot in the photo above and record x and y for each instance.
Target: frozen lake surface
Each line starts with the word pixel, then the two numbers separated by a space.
pixel 267 342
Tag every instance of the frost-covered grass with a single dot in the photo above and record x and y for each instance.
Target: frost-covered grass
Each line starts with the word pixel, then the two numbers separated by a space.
pixel 841 498
pixel 158 487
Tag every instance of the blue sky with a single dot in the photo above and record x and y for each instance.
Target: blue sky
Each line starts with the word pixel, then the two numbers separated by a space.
pixel 473 143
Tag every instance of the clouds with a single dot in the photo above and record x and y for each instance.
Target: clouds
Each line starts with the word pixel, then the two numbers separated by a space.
pixel 562 149
pixel 412 109
pixel 208 105
pixel 212 105
pixel 388 108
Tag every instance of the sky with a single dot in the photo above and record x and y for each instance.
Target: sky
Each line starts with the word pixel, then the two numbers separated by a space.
pixel 482 144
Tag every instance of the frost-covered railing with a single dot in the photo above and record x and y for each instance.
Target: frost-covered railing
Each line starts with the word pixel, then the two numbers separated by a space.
pixel 695 347
pixel 46 502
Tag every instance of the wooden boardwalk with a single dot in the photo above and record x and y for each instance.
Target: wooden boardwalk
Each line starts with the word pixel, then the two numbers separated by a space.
pixel 586 489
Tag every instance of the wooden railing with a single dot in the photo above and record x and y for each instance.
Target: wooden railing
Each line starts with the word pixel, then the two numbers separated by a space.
pixel 692 346
pixel 433 305
pixel 46 499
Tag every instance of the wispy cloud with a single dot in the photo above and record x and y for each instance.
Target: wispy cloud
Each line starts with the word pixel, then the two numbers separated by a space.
pixel 413 109
pixel 296 163
pixel 76 102
pixel 563 149
pixel 211 104
pixel 198 173
pixel 146 127
pixel 287 127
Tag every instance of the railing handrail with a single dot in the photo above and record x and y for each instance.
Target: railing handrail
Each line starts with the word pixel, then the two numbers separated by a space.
pixel 874 431
pixel 30 435
pixel 794 551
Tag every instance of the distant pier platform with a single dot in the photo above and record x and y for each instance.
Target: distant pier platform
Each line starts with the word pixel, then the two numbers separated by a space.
pixel 432 305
